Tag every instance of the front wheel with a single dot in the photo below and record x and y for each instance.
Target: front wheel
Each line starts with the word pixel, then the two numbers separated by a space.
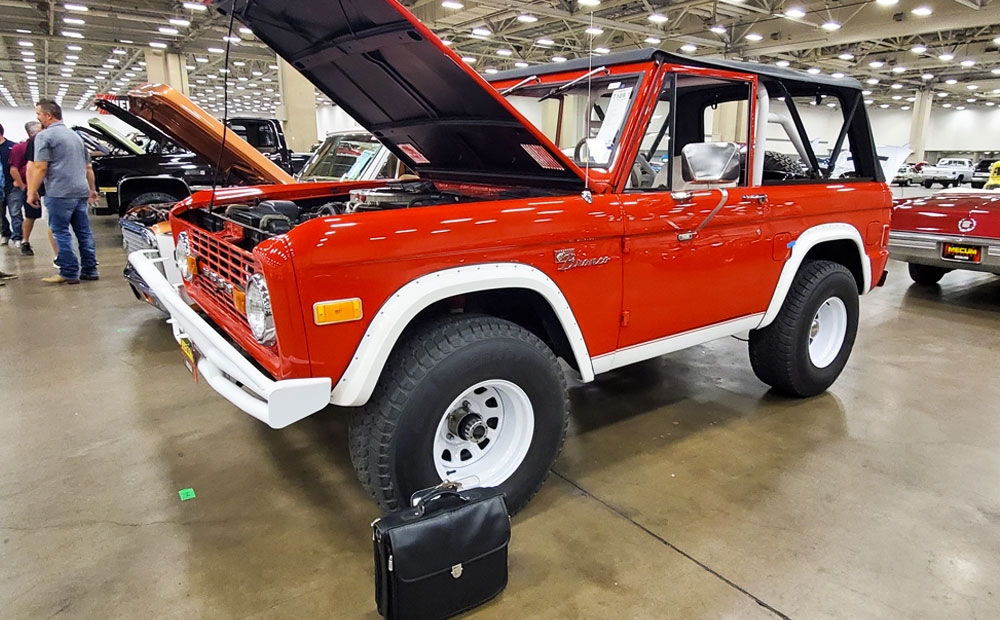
pixel 467 398
pixel 927 184
pixel 807 346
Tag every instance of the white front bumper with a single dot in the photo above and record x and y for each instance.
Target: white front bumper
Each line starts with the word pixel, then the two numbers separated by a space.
pixel 223 366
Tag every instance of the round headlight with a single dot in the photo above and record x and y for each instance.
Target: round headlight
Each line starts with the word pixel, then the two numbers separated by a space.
pixel 259 310
pixel 182 252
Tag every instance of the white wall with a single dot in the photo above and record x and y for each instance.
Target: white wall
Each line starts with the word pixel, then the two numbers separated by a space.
pixel 13 120
pixel 976 129
pixel 333 118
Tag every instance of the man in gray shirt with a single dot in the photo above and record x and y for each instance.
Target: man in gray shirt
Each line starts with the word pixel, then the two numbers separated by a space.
pixel 63 163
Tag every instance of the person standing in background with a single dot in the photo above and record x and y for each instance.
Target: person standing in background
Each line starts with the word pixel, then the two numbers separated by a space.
pixel 6 231
pixel 17 198
pixel 62 162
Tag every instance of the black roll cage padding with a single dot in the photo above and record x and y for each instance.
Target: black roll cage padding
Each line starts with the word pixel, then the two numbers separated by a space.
pixel 848 121
pixel 814 169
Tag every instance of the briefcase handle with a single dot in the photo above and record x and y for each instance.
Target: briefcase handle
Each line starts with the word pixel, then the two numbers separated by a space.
pixel 436 494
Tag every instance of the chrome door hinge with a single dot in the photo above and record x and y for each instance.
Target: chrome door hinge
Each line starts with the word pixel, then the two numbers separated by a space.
pixel 390 563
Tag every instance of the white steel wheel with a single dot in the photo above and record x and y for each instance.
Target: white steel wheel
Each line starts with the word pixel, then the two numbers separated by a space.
pixel 484 434
pixel 827 332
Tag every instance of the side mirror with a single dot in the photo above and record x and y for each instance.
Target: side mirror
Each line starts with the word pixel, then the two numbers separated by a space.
pixel 710 162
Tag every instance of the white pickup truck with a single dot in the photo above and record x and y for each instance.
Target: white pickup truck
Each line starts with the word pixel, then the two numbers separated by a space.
pixel 949 171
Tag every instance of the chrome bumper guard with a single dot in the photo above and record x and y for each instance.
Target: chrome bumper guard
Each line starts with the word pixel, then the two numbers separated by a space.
pixel 925 249
pixel 223 366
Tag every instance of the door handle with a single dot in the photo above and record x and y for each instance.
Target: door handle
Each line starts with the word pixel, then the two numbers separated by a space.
pixel 761 198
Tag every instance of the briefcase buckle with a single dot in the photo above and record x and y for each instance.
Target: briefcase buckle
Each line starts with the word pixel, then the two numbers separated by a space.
pixel 456 571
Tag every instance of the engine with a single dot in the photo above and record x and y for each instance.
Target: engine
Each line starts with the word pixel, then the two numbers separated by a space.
pixel 400 196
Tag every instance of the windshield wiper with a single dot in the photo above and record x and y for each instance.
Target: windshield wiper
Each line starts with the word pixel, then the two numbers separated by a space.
pixel 564 87
pixel 519 85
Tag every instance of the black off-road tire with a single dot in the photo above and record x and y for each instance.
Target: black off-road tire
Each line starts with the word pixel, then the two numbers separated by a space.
pixel 927 184
pixel 779 353
pixel 782 163
pixel 151 198
pixel 926 274
pixel 391 437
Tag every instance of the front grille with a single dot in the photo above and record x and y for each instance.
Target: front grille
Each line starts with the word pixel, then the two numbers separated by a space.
pixel 221 268
pixel 135 238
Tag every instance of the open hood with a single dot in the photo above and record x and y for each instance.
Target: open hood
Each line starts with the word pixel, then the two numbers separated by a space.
pixel 134 121
pixel 101 130
pixel 399 81
pixel 198 131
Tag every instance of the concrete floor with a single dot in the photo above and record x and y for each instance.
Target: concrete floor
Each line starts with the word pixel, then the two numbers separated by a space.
pixel 685 490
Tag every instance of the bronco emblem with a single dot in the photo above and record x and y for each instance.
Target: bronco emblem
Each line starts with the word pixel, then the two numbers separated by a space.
pixel 967 225
pixel 566 259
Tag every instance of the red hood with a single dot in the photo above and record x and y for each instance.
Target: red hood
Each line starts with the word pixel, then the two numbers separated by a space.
pixel 977 212
pixel 387 70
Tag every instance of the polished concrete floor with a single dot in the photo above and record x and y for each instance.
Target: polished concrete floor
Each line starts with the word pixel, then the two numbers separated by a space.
pixel 685 489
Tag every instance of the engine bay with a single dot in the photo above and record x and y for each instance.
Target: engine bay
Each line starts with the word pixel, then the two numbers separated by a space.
pixel 262 219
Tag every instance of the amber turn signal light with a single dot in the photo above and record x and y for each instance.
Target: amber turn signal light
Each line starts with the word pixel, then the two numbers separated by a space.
pixel 192 265
pixel 341 311
pixel 240 301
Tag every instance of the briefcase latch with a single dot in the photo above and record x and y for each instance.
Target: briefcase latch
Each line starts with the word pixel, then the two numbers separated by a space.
pixel 456 571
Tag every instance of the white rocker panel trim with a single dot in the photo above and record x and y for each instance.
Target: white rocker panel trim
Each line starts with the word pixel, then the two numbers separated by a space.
pixel 358 381
pixel 663 346
pixel 837 231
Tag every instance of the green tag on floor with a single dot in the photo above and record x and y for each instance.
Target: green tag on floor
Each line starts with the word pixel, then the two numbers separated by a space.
pixel 186 494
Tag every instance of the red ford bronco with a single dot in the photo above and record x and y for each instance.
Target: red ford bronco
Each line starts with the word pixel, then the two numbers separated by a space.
pixel 598 212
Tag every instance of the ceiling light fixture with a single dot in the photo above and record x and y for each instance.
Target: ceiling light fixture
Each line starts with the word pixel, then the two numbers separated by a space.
pixel 687 47
pixel 918 49
pixel 922 11
pixel 78 8
pixel 594 31
pixel 946 57
pixel 653 41
pixel 451 4
pixel 527 19
pixel 846 56
pixel 194 6
pixel 782 63
pixel 481 32
pixel 183 23
pixel 795 13
pixel 753 36
pixel 718 29
pixel 831 26
pixel 658 18
pixel 875 64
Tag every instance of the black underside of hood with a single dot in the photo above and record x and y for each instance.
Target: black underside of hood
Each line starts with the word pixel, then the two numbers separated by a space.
pixel 378 62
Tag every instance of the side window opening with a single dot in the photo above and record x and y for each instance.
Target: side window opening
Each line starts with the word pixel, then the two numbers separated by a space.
pixel 829 122
pixel 693 109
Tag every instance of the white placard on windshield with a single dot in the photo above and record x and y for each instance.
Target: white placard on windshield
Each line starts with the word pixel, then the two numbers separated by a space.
pixel 602 146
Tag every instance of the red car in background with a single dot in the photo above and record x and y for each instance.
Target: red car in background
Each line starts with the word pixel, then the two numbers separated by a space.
pixel 953 229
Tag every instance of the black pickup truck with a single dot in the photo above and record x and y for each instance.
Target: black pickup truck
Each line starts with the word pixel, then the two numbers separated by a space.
pixel 167 171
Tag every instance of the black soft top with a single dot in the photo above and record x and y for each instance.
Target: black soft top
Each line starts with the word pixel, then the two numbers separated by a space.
pixel 797 82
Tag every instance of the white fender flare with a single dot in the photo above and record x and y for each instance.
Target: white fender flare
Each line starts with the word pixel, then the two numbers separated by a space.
pixel 358 381
pixel 838 231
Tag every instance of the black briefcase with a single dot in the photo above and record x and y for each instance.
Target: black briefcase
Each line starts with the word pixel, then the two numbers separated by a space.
pixel 445 555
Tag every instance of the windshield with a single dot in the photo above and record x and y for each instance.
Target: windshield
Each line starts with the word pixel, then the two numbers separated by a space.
pixel 984 165
pixel 585 120
pixel 341 158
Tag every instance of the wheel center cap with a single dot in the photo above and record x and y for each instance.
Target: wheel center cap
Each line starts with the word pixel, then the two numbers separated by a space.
pixel 814 330
pixel 467 425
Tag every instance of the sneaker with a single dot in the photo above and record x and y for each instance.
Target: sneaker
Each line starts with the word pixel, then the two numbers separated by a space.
pixel 17 243
pixel 26 249
pixel 57 279
pixel 55 265
pixel 4 240
pixel 91 277
pixel 7 276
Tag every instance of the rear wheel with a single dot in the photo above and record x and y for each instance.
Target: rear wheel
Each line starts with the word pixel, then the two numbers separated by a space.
pixel 927 184
pixel 807 346
pixel 926 274
pixel 467 398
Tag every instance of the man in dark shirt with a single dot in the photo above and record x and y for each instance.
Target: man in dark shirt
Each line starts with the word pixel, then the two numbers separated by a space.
pixel 8 231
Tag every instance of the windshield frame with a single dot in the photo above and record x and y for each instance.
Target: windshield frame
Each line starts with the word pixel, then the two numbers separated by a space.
pixel 604 177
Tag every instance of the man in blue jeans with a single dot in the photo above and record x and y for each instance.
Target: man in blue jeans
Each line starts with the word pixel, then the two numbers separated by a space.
pixel 63 163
